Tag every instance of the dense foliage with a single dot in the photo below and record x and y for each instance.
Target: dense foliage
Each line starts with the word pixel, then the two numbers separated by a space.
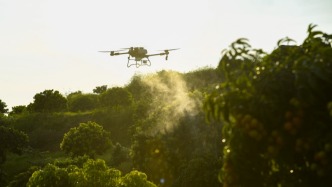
pixel 92 173
pixel 79 102
pixel 11 140
pixel 156 123
pixel 278 113
pixel 86 139
pixel 48 101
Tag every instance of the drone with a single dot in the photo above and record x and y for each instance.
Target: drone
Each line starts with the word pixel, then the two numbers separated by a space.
pixel 139 55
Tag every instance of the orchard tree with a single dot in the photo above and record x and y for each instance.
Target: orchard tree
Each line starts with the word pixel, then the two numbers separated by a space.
pixel 48 101
pixel 277 114
pixel 87 139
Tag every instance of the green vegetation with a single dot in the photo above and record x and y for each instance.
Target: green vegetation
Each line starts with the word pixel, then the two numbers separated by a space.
pixel 276 112
pixel 11 141
pixel 258 119
pixel 92 173
pixel 155 123
pixel 86 139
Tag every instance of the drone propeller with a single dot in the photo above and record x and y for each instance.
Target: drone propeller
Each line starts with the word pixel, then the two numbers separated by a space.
pixel 171 49
pixel 127 48
pixel 167 50
pixel 112 51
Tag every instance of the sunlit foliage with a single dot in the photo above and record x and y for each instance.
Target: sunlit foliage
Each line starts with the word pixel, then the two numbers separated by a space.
pixel 278 113
pixel 92 173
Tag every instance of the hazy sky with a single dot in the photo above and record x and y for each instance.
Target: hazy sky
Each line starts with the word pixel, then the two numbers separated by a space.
pixel 54 44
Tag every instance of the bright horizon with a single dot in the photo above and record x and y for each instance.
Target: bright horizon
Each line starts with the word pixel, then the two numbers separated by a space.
pixel 54 44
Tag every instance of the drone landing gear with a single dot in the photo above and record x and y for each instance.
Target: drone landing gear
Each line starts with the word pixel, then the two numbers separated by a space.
pixel 138 63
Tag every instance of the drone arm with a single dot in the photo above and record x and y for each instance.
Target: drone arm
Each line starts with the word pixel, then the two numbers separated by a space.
pixel 117 53
pixel 157 54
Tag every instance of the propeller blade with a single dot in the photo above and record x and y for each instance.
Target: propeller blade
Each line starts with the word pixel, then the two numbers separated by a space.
pixel 169 49
pixel 172 49
pixel 112 51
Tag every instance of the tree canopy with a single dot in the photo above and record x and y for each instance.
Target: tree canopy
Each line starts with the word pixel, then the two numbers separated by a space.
pixel 87 139
pixel 93 173
pixel 48 101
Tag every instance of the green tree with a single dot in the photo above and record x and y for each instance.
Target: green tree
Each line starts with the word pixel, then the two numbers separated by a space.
pixel 92 173
pixel 115 97
pixel 3 107
pixel 11 141
pixel 97 173
pixel 48 101
pixel 136 179
pixel 82 102
pixel 277 113
pixel 100 89
pixel 87 139
pixel 22 178
pixel 16 110
pixel 50 175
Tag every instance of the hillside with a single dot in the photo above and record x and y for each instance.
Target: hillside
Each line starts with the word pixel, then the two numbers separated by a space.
pixel 154 113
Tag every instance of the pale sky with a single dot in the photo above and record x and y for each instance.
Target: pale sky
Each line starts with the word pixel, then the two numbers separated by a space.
pixel 54 44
